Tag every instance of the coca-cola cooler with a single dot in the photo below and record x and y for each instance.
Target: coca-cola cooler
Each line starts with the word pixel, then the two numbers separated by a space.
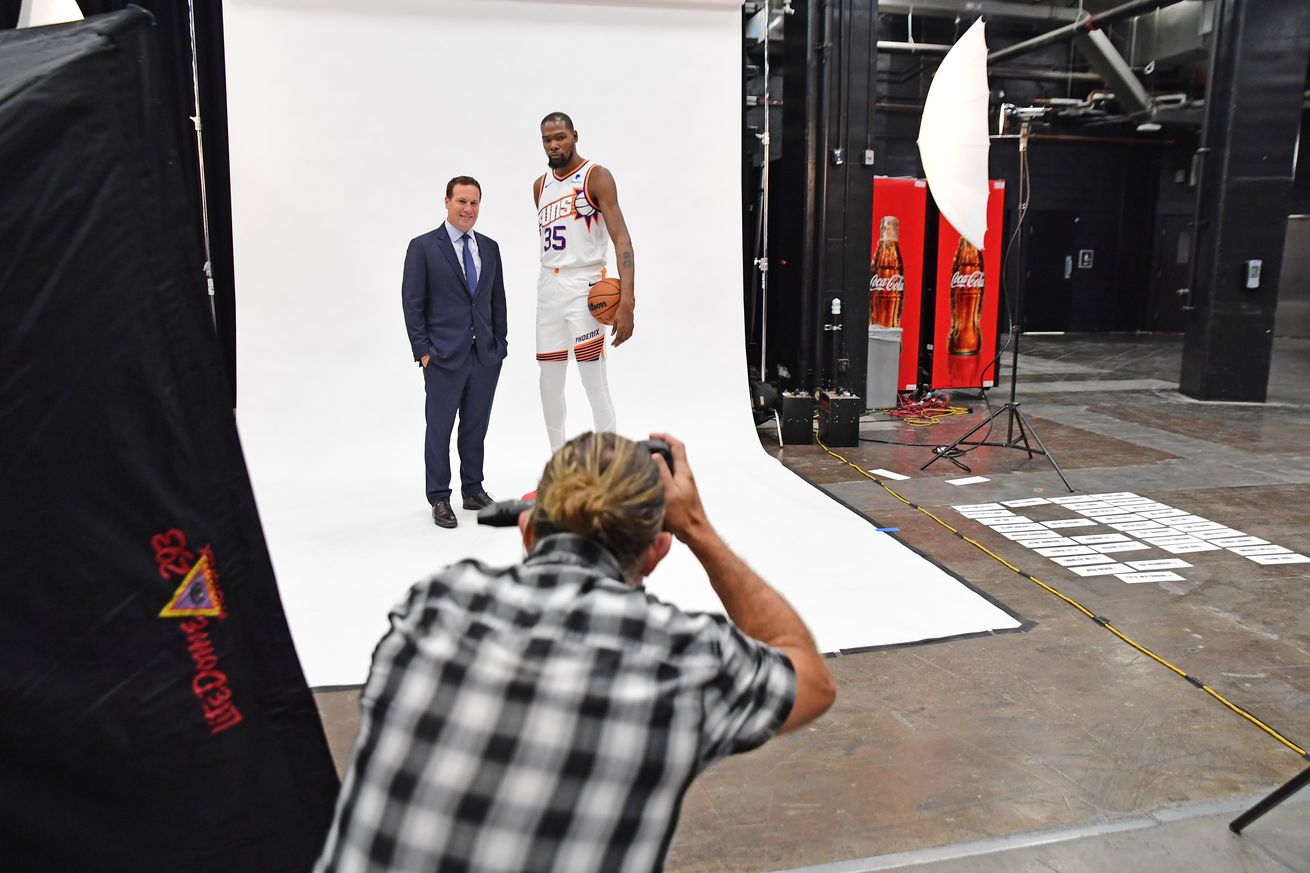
pixel 967 300
pixel 896 267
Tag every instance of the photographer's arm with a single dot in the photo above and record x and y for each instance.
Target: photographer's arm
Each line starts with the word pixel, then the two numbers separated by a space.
pixel 750 602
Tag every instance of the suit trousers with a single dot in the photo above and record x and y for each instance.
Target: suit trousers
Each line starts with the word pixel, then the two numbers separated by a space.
pixel 466 390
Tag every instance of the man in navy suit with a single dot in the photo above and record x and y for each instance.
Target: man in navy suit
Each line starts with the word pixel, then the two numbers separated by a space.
pixel 454 299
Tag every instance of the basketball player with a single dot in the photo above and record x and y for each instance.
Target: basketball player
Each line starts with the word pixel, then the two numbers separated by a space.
pixel 578 214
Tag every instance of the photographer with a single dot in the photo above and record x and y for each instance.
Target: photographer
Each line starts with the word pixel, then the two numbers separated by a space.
pixel 550 715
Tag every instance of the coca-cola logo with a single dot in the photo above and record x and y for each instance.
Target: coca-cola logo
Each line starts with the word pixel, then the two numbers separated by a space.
pixel 894 282
pixel 967 280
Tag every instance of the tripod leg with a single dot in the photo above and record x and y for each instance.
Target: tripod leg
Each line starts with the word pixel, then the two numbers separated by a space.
pixel 1022 442
pixel 961 441
pixel 1279 794
pixel 1041 445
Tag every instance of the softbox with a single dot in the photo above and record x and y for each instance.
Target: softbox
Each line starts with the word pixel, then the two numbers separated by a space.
pixel 153 713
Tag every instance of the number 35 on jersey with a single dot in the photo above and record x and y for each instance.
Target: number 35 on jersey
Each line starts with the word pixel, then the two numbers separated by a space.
pixel 573 231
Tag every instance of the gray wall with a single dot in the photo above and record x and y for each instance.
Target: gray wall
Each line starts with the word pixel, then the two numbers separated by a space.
pixel 1293 318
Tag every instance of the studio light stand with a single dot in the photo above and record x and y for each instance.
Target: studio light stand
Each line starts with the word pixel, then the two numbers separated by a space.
pixel 1018 428
pixel 198 123
pixel 1281 793
pixel 762 262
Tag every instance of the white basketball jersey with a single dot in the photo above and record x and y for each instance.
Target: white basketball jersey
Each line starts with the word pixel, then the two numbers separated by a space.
pixel 572 229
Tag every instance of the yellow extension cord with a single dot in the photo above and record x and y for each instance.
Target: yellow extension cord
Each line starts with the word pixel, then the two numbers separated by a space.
pixel 930 420
pixel 1105 623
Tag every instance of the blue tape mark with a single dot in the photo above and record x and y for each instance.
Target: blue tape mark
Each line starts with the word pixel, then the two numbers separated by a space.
pixel 887 529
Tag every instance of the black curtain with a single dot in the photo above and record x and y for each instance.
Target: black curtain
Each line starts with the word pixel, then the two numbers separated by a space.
pixel 153 713
pixel 172 37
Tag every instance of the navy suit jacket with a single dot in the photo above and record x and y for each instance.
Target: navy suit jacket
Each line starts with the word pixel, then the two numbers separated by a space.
pixel 443 320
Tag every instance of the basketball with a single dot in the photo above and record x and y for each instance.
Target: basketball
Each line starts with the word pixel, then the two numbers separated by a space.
pixel 603 300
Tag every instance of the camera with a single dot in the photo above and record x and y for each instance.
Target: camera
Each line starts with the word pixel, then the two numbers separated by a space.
pixel 505 513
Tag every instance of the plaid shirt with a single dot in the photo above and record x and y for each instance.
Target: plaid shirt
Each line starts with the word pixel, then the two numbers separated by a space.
pixel 544 717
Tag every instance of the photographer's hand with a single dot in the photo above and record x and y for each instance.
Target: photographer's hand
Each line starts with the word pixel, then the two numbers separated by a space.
pixel 750 602
pixel 684 515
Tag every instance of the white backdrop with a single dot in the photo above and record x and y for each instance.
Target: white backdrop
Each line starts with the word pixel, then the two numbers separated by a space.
pixel 347 119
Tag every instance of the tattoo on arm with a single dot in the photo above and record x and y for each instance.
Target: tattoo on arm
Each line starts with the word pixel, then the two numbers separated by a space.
pixel 625 260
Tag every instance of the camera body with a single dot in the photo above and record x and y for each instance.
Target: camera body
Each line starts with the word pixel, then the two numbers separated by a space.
pixel 505 513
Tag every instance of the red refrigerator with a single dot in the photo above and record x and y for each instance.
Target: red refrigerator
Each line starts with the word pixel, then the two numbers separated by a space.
pixel 896 277
pixel 967 301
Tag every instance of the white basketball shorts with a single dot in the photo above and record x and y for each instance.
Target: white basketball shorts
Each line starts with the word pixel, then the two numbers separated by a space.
pixel 563 322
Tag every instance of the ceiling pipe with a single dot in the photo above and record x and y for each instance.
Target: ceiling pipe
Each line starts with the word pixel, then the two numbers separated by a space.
pixel 1108 140
pixel 912 48
pixel 929 48
pixel 993 10
pixel 1086 23
pixel 1042 75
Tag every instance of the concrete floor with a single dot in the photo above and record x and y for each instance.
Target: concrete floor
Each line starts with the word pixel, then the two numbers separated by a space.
pixel 1058 747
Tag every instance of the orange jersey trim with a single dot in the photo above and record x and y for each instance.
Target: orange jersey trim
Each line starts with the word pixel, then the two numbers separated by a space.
pixel 586 191
pixel 568 173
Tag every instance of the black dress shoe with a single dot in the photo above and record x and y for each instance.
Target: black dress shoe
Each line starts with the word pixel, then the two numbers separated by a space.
pixel 443 515
pixel 479 500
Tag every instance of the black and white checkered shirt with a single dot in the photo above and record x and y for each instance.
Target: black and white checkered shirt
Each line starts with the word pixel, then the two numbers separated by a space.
pixel 544 717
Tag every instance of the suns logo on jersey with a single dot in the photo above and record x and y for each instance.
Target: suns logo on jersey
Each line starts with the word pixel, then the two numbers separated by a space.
pixel 583 207
pixel 555 210
pixel 575 204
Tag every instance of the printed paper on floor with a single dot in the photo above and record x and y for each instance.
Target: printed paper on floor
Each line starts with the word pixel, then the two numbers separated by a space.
pixel 1101 570
pixel 1186 550
pixel 1083 560
pixel 1226 542
pixel 1159 564
pixel 1294 558
pixel 1112 548
pixel 1247 551
pixel 1158 576
pixel 1064 551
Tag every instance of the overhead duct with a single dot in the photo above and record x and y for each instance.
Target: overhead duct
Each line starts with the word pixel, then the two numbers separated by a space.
pixel 755 26
pixel 1086 23
pixel 1171 35
pixel 1092 40
pixel 1106 60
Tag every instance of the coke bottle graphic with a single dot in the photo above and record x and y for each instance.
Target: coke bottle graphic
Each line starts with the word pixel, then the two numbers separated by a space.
pixel 887 276
pixel 966 300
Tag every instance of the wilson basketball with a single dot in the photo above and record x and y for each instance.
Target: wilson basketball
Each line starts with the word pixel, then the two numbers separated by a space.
pixel 603 300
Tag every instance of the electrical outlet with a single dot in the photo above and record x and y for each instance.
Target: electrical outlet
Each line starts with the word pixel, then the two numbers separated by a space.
pixel 1253 274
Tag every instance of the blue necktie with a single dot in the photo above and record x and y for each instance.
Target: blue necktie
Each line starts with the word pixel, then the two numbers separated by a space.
pixel 470 269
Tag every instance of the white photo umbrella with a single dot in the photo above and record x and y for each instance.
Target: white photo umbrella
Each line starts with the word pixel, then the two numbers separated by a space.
pixel 38 13
pixel 953 137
